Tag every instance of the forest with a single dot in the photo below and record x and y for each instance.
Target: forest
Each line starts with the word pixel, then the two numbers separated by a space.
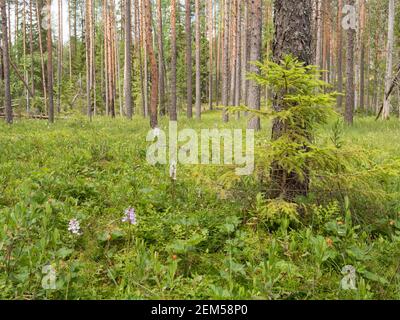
pixel 123 129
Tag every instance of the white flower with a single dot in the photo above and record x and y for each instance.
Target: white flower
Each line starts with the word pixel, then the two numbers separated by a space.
pixel 156 132
pixel 74 227
pixel 349 281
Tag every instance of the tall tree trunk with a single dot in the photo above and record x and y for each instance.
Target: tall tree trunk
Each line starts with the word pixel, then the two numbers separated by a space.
pixel 238 57
pixel 69 42
pixel 172 111
pixel 145 62
pixel 232 51
pixel 339 56
pixel 211 58
pixel 293 35
pixel 225 61
pixel 44 82
pixel 188 29
pixel 128 59
pixel 88 41
pixel 31 45
pixel 153 64
pixel 139 53
pixel 198 84
pixel 319 20
pixel 6 64
pixel 389 60
pixel 106 66
pixel 59 55
pixel 26 79
pixel 255 55
pixel 350 102
pixel 93 54
pixel 50 64
pixel 362 55
pixel 161 66
pixel 246 46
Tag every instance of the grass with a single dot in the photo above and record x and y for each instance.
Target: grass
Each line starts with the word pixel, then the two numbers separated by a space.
pixel 201 237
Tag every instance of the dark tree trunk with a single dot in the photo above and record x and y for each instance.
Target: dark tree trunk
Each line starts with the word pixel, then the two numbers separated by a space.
pixel 128 60
pixel 50 64
pixel 188 26
pixel 153 64
pixel 254 90
pixel 6 64
pixel 225 61
pixel 198 44
pixel 350 74
pixel 172 110
pixel 161 67
pixel 340 56
pixel 293 35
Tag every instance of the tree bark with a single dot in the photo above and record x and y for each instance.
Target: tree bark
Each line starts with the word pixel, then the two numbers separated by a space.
pixel 198 84
pixel 389 59
pixel 188 29
pixel 350 95
pixel 255 55
pixel 128 59
pixel 50 64
pixel 293 35
pixel 153 64
pixel 161 66
pixel 225 61
pixel 211 58
pixel 362 55
pixel 172 111
pixel 340 56
pixel 6 64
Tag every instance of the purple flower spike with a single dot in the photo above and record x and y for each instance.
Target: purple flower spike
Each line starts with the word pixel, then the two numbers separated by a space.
pixel 130 216
pixel 74 227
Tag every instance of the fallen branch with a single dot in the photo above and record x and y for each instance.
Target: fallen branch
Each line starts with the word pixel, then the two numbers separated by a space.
pixel 40 117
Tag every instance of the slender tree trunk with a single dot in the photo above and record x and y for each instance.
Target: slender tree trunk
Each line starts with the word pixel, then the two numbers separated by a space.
pixel 44 82
pixel 255 55
pixel 128 59
pixel 69 42
pixel 340 56
pixel 225 61
pixel 188 28
pixel 31 45
pixel 172 111
pixel 139 53
pixel 50 64
pixel 25 77
pixel 246 46
pixel 145 63
pixel 350 102
pixel 389 59
pixel 238 57
pixel 153 64
pixel 211 58
pixel 6 64
pixel 198 84
pixel 106 66
pixel 59 55
pixel 88 58
pixel 318 51
pixel 161 66
pixel 362 55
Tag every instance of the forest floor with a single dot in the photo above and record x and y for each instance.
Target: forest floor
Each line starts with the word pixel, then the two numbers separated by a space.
pixel 203 236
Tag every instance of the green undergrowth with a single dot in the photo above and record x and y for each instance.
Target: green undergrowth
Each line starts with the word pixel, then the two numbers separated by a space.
pixel 208 235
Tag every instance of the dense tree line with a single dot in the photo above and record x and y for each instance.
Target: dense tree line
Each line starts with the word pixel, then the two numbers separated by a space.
pixel 122 55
